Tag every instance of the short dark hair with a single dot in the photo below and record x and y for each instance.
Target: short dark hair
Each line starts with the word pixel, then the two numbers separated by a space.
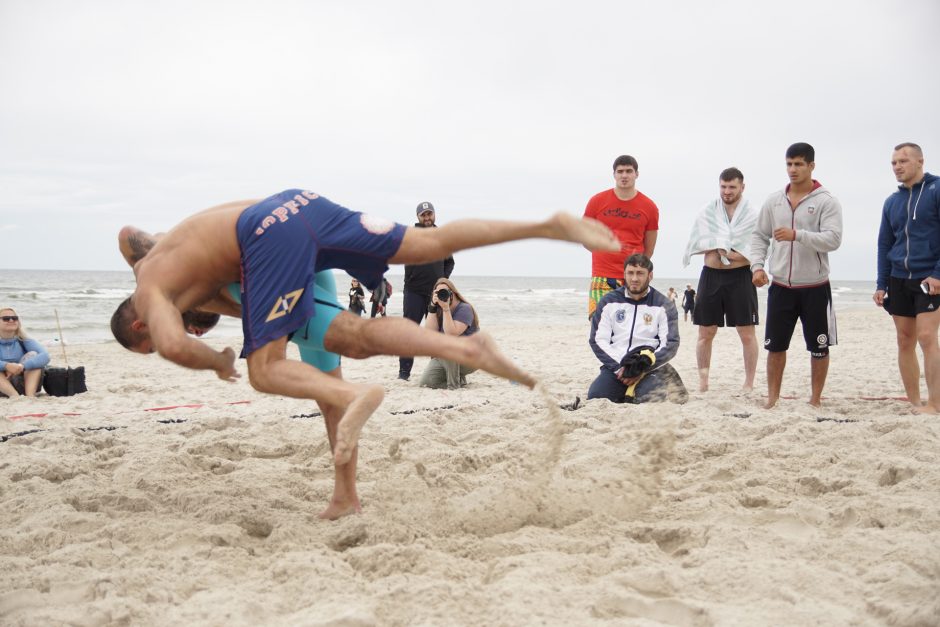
pixel 121 322
pixel 802 149
pixel 202 320
pixel 626 160
pixel 917 149
pixel 729 174
pixel 640 260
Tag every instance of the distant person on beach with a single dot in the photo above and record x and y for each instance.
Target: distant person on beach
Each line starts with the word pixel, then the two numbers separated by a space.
pixel 632 217
pixel 451 314
pixel 722 234
pixel 379 298
pixel 21 358
pixel 419 281
pixel 357 297
pixel 908 284
pixel 634 333
pixel 804 223
pixel 671 295
pixel 275 246
pixel 688 301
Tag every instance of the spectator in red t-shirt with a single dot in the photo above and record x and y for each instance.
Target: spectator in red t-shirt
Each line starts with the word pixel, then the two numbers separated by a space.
pixel 633 217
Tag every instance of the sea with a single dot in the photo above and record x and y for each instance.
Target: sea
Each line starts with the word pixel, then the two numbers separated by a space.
pixel 75 307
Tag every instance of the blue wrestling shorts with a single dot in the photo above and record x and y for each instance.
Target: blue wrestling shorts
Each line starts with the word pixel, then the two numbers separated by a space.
pixel 285 239
pixel 309 338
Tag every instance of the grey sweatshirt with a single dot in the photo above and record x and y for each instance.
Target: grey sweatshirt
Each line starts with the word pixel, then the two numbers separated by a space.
pixel 818 224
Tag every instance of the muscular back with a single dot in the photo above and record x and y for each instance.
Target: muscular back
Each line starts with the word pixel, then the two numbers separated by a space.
pixel 189 265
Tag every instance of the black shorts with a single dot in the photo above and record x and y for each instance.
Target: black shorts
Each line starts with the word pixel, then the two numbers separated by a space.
pixel 725 298
pixel 812 306
pixel 905 298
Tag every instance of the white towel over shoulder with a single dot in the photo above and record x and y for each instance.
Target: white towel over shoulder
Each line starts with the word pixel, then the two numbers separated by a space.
pixel 713 230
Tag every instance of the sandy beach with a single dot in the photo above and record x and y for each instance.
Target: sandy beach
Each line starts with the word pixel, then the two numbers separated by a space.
pixel 483 506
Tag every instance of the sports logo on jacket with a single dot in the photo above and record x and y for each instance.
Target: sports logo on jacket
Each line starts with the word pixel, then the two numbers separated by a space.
pixel 621 316
pixel 811 209
pixel 285 304
pixel 647 319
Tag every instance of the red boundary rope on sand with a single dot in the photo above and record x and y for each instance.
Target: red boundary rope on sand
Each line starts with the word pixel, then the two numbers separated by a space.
pixel 168 407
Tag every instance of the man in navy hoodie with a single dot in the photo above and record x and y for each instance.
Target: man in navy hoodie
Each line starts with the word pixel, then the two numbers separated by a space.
pixel 908 284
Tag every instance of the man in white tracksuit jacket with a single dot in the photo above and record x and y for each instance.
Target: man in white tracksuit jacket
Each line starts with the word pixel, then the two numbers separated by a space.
pixel 803 221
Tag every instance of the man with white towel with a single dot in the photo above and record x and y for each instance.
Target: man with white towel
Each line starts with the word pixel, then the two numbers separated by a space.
pixel 726 295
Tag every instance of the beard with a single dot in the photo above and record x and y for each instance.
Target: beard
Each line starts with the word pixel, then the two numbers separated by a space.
pixel 640 290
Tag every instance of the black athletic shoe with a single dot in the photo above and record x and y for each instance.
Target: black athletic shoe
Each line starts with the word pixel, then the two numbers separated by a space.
pixel 403 376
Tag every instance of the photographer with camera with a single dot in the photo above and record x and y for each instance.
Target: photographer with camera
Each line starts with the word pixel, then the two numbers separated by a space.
pixel 451 314
pixel 634 333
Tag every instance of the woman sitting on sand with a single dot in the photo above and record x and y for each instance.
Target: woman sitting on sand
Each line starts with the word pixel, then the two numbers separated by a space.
pixel 21 358
pixel 448 313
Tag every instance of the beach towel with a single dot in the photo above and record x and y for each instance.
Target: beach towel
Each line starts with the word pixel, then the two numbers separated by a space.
pixel 713 230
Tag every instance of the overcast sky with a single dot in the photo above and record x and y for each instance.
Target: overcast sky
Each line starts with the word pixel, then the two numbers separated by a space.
pixel 130 112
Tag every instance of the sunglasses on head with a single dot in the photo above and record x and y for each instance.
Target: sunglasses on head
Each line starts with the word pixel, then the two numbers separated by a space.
pixel 9 318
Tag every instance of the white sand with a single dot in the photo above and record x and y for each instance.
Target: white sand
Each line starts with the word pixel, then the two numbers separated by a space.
pixel 500 510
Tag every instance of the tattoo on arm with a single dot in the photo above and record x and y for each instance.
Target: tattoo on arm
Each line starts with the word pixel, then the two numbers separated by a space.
pixel 140 244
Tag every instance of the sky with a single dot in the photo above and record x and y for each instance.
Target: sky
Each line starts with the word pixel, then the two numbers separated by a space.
pixel 131 112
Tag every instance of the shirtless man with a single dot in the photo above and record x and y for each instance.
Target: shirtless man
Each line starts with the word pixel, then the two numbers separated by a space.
pixel 135 243
pixel 726 295
pixel 275 246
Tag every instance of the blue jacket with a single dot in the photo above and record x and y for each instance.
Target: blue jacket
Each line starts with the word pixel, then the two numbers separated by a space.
pixel 12 351
pixel 909 237
pixel 621 324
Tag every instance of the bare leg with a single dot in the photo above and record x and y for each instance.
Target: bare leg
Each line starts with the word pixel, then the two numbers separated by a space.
pixel 818 369
pixel 907 358
pixel 270 371
pixel 749 347
pixel 776 363
pixel 426 245
pixel 345 500
pixel 360 338
pixel 703 354
pixel 31 380
pixel 927 327
pixel 7 388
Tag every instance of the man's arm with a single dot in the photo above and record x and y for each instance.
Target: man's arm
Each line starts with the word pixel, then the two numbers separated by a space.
pixel 829 236
pixel 649 243
pixel 760 238
pixel 669 329
pixel 135 243
pixel 170 340
pixel 600 339
pixel 885 242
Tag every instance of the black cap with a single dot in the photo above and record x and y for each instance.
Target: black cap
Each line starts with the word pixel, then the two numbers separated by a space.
pixel 424 206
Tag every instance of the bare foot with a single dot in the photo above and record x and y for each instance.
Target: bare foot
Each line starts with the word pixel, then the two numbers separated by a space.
pixel 591 233
pixel 927 409
pixel 702 386
pixel 337 510
pixel 769 404
pixel 815 402
pixel 489 358
pixel 347 432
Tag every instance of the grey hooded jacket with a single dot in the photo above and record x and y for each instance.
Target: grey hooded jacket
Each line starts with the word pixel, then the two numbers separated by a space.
pixel 804 262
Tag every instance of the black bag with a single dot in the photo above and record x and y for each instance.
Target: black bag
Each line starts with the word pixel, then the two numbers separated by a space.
pixel 64 381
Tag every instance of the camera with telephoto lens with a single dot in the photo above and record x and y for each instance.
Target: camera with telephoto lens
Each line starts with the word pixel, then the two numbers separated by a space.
pixel 443 294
